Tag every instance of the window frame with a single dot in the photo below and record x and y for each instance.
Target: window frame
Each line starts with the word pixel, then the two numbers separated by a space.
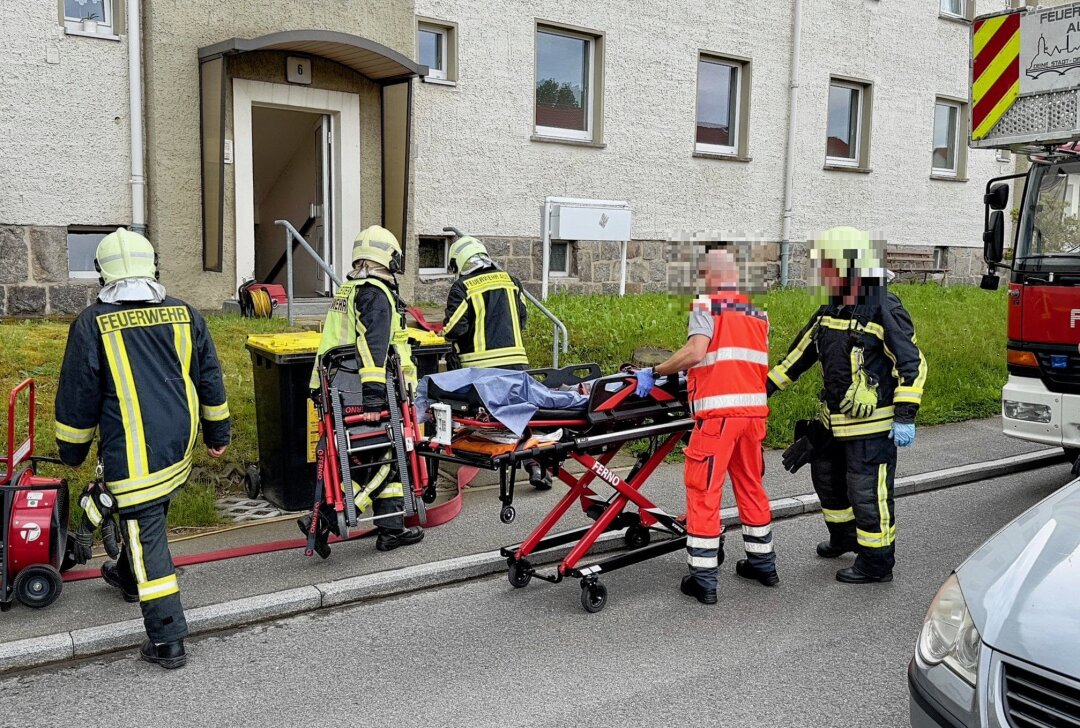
pixel 855 159
pixel 593 74
pixel 740 136
pixel 962 125
pixel 964 13
pixel 563 273
pixel 106 26
pixel 447 33
pixel 102 230
pixel 445 270
pixel 955 170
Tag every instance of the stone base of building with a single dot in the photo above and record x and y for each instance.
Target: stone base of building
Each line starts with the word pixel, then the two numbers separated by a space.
pixel 34 276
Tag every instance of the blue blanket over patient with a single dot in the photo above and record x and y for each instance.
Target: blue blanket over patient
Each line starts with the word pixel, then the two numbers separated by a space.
pixel 510 397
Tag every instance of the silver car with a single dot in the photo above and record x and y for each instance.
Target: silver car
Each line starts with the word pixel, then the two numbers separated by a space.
pixel 1000 647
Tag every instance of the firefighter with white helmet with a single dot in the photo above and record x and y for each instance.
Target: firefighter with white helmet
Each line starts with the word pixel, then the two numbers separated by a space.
pixel 368 314
pixel 485 319
pixel 141 374
pixel 874 374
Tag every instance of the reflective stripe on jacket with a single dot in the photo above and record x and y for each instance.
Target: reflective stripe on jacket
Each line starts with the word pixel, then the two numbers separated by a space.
pixel 365 314
pixel 485 317
pixel 730 380
pixel 890 352
pixel 143 375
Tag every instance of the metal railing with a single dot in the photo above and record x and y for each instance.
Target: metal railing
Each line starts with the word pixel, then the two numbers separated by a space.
pixel 291 236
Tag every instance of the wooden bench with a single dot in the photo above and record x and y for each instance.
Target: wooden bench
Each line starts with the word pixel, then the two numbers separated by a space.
pixel 915 262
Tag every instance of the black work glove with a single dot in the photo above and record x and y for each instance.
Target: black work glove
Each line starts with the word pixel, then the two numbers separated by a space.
pixel 810 435
pixel 770 388
pixel 80 544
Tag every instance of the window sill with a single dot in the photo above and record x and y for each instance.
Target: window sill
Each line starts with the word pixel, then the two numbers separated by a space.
pixel 439 81
pixel 698 154
pixel 948 178
pixel 846 168
pixel 571 142
pixel 102 36
pixel 954 19
pixel 426 277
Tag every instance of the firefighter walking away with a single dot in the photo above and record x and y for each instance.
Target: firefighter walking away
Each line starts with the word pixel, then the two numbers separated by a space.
pixel 874 374
pixel 140 371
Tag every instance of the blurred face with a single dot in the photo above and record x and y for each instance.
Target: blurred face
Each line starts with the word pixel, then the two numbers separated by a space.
pixel 721 270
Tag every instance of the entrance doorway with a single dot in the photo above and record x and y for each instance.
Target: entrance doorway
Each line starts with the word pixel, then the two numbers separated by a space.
pixel 292 179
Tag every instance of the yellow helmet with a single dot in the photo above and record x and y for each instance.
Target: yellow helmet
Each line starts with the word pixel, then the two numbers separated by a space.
pixel 462 249
pixel 124 254
pixel 851 250
pixel 379 245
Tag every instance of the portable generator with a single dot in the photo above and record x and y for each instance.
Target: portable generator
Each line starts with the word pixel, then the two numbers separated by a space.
pixel 33 516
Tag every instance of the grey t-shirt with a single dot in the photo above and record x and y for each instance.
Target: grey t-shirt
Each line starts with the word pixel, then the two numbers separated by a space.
pixel 701 322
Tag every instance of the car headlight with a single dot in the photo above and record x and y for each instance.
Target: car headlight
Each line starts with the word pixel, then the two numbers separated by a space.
pixel 948 635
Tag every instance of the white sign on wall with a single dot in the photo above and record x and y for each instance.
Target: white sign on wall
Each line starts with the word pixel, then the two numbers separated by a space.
pixel 1050 49
pixel 298 70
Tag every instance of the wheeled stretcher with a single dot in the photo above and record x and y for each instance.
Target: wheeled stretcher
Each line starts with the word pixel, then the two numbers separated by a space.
pixel 591 437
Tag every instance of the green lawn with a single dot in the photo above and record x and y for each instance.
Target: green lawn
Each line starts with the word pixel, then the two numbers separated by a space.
pixel 961 330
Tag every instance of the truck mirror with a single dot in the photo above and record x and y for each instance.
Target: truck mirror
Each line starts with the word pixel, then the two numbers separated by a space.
pixel 994 238
pixel 998 197
pixel 989 282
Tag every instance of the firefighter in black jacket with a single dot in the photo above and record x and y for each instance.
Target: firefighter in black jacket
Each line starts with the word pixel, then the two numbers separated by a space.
pixel 367 314
pixel 874 375
pixel 485 318
pixel 140 369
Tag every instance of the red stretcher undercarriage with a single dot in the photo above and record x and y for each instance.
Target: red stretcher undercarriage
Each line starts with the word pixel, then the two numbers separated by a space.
pixel 592 437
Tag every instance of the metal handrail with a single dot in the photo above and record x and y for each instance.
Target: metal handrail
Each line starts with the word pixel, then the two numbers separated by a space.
pixel 291 235
pixel 558 326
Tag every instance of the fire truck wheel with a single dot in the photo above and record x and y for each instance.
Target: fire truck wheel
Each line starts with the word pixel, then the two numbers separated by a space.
pixel 593 596
pixel 519 574
pixel 637 537
pixel 38 586
pixel 252 482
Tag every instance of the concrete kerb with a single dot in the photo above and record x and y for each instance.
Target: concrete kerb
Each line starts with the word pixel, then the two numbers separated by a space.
pixel 37 651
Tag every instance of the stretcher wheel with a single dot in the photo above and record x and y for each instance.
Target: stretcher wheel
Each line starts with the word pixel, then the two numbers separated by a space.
pixel 38 586
pixel 343 525
pixel 429 494
pixel 637 536
pixel 252 482
pixel 593 596
pixel 519 574
pixel 507 514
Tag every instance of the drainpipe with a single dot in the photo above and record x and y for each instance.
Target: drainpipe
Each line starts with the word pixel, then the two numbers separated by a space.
pixel 135 116
pixel 789 162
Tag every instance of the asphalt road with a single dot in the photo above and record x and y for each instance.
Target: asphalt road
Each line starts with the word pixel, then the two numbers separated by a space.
pixel 811 652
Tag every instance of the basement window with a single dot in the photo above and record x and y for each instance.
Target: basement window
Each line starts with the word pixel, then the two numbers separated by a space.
pixel 433 251
pixel 82 245
pixel 559 259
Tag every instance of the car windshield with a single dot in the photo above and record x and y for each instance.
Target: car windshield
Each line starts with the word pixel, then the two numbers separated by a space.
pixel 1050 236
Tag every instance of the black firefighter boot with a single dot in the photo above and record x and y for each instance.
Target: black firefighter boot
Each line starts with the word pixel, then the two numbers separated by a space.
pixel 392 531
pixel 169 655
pixel 110 574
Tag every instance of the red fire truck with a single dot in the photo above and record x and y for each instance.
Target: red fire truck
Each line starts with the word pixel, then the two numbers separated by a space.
pixel 1025 97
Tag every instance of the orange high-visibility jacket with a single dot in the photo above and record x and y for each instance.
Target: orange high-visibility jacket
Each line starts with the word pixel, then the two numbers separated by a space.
pixel 730 380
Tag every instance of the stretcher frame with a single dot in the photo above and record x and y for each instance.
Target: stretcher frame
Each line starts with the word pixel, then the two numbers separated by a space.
pixel 593 452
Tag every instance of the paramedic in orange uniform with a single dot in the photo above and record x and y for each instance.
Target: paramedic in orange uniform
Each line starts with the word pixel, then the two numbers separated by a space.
pixel 726 359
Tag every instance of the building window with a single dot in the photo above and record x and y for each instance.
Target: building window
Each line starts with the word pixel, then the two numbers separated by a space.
pixel 433 252
pixel 567 84
pixel 946 142
pixel 722 99
pixel 559 258
pixel 954 9
pixel 89 16
pixel 847 135
pixel 436 45
pixel 82 248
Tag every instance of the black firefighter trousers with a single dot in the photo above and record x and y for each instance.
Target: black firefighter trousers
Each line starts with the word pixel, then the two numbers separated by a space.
pixel 854 482
pixel 146 566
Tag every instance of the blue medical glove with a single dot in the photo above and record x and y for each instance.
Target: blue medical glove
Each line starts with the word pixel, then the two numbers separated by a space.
pixel 903 434
pixel 646 378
